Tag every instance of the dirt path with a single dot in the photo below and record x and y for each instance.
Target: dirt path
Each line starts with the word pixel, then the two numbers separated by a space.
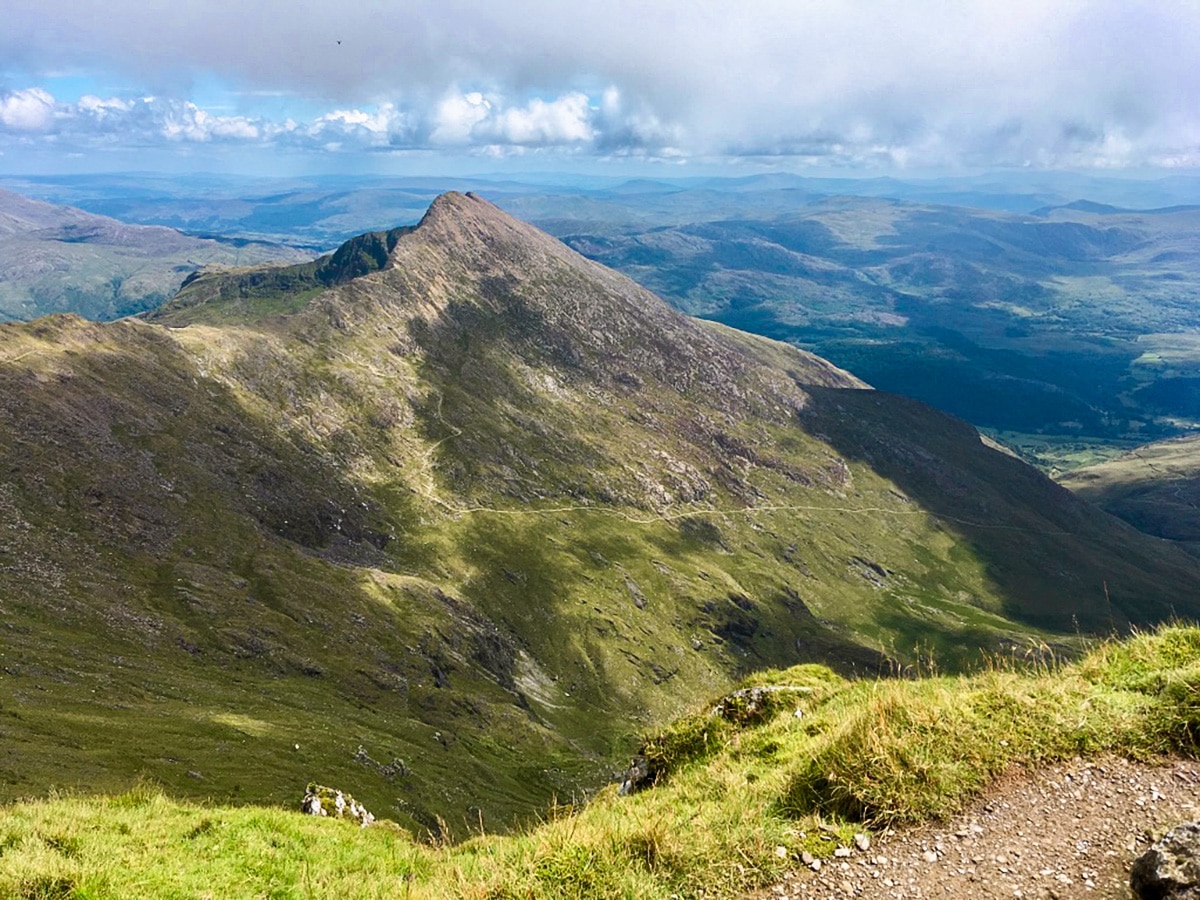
pixel 1069 831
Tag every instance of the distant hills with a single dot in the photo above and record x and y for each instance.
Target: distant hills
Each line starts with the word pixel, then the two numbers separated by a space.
pixel 1004 299
pixel 1047 324
pixel 1155 488
pixel 450 515
pixel 62 259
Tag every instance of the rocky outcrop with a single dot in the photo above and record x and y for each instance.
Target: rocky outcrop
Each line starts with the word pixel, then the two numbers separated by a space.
pixel 320 800
pixel 1170 870
pixel 749 706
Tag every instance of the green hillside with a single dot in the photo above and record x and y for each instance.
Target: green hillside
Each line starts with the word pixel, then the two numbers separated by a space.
pixel 452 532
pixel 1155 487
pixel 58 259
pixel 797 765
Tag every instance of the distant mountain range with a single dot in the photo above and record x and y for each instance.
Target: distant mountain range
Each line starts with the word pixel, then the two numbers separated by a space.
pixel 1047 323
pixel 452 513
pixel 1005 300
pixel 61 259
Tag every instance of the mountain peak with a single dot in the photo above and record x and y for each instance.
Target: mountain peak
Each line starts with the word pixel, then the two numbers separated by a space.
pixel 455 221
pixel 453 202
pixel 459 208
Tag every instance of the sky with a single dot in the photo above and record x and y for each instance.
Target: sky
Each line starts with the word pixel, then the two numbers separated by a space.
pixel 621 86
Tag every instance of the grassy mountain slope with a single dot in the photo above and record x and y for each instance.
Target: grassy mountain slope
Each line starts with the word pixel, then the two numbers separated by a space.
pixel 1156 488
pixel 456 529
pixel 60 259
pixel 799 762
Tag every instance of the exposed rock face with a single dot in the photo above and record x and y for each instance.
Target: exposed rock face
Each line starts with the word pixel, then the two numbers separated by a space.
pixel 1170 870
pixel 320 800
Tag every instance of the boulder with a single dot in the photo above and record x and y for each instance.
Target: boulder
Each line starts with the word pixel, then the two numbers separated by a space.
pixel 636 777
pixel 1169 870
pixel 320 800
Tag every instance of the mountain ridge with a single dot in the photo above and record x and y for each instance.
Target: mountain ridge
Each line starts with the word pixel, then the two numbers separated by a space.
pixel 477 515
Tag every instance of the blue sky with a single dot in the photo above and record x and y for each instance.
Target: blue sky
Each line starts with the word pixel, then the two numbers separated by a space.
pixel 447 86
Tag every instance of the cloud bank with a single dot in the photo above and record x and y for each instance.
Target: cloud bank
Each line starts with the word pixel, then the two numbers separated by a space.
pixel 1075 83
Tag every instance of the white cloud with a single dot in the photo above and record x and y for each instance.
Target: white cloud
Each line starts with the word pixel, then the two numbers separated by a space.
pixel 566 120
pixel 234 128
pixel 187 122
pixel 837 82
pixel 360 129
pixel 90 104
pixel 351 119
pixel 29 110
pixel 456 116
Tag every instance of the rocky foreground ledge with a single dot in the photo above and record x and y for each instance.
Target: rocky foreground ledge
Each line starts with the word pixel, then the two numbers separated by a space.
pixel 1068 831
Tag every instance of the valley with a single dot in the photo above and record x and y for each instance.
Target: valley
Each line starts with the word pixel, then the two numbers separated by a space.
pixel 454 515
pixel 1012 304
pixel 56 259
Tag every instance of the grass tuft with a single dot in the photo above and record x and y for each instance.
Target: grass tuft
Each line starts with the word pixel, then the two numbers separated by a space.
pixel 49 887
pixel 745 796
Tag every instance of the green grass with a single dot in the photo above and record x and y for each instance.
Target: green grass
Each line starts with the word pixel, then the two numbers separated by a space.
pixel 477 513
pixel 1059 454
pixel 1154 487
pixel 731 810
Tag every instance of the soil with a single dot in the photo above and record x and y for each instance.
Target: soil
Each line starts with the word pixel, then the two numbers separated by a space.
pixel 1067 831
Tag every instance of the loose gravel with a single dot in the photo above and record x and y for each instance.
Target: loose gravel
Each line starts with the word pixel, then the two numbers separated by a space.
pixel 1066 831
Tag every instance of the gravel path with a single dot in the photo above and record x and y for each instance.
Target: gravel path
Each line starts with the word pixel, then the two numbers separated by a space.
pixel 1062 832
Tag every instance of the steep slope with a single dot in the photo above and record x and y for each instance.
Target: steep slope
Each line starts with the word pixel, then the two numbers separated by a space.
pixel 462 524
pixel 60 259
pixel 1156 488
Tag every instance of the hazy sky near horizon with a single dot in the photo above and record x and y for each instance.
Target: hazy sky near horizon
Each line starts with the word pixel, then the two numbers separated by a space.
pixel 800 85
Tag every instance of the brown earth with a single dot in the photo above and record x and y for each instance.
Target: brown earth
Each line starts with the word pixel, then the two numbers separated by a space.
pixel 1067 831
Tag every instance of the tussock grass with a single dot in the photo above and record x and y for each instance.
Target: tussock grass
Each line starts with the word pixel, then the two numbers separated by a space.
pixel 738 797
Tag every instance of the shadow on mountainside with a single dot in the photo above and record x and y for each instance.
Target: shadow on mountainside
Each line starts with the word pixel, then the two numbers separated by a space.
pixel 182 600
pixel 1057 561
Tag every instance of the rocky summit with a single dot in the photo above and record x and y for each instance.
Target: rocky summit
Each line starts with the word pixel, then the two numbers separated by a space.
pixel 448 517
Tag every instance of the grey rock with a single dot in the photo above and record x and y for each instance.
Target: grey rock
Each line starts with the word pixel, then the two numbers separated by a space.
pixel 636 777
pixel 320 800
pixel 1170 869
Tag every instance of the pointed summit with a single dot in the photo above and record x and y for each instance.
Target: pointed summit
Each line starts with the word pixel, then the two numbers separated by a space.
pixel 481 503
pixel 468 224
pixel 466 213
pixel 471 270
